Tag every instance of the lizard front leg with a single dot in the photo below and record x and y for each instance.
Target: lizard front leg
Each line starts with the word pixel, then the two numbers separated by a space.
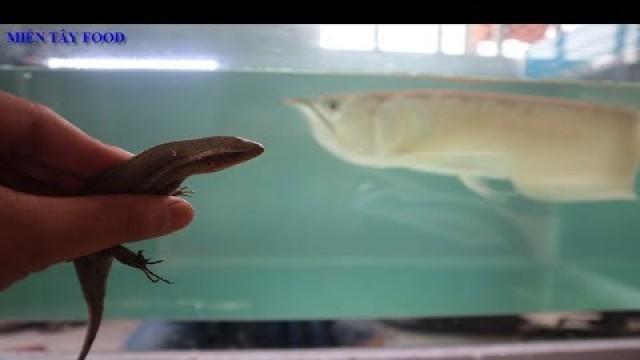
pixel 136 260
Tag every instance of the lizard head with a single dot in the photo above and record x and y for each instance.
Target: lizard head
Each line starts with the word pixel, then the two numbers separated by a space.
pixel 220 152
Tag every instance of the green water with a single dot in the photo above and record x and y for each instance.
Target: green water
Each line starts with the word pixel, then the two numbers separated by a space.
pixel 300 234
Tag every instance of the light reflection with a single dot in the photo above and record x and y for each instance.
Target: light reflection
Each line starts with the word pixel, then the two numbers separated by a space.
pixel 138 64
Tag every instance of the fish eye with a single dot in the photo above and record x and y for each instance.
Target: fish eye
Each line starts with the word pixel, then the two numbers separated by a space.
pixel 333 104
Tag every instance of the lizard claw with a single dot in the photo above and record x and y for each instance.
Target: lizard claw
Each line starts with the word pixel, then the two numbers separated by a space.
pixel 154 277
pixel 183 191
pixel 142 265
pixel 148 261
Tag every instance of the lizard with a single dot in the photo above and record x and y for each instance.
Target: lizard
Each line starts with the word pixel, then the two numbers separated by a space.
pixel 159 170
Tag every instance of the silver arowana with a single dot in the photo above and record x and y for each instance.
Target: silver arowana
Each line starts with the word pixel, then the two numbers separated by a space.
pixel 549 149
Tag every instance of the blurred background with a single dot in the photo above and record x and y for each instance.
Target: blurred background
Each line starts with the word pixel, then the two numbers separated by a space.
pixel 535 51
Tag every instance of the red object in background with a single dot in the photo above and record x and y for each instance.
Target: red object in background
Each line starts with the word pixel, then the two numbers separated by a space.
pixel 529 33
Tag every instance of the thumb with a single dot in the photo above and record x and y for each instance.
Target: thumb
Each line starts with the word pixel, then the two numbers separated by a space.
pixel 46 230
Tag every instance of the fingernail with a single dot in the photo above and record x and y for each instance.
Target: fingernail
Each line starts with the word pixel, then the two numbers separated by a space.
pixel 179 214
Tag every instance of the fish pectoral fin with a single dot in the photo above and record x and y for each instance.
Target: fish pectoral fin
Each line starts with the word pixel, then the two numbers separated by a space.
pixel 482 187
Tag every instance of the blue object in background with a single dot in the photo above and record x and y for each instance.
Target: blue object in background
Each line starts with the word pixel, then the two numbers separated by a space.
pixel 165 335
pixel 575 51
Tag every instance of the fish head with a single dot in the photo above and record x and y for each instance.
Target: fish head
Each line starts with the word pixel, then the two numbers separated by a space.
pixel 343 124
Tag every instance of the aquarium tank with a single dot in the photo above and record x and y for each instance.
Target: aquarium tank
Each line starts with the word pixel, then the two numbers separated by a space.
pixel 410 171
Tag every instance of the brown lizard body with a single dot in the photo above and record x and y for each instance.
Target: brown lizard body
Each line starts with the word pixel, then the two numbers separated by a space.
pixel 159 170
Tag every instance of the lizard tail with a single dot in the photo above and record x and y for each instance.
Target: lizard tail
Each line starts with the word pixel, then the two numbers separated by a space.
pixel 95 317
pixel 93 271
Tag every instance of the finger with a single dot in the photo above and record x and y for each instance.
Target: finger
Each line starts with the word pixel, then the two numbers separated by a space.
pixel 34 177
pixel 36 131
pixel 46 230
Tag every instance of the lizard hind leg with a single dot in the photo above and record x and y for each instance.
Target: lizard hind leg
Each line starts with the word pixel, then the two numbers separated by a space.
pixel 142 262
pixel 138 261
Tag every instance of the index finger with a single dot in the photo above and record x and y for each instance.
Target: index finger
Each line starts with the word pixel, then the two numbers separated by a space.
pixel 36 132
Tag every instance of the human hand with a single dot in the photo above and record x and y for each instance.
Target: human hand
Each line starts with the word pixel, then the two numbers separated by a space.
pixel 43 156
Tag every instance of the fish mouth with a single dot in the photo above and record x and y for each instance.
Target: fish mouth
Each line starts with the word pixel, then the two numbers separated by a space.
pixel 307 107
pixel 295 102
